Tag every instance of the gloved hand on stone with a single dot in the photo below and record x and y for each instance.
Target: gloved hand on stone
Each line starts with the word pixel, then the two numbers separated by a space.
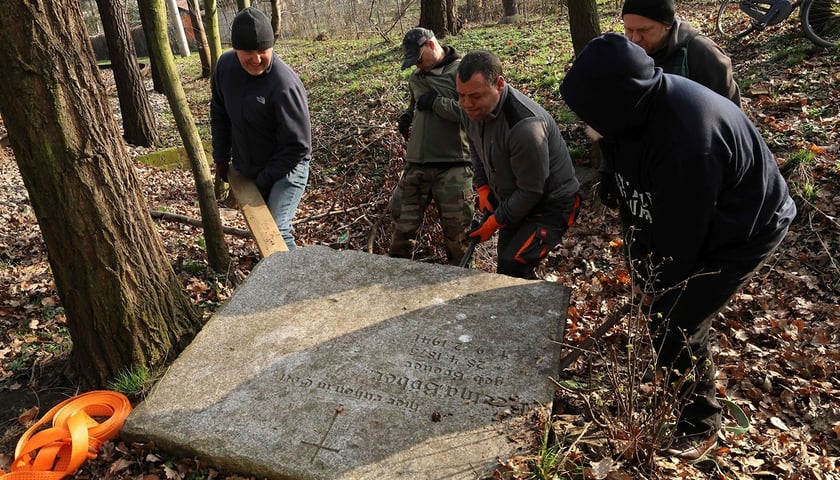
pixel 486 229
pixel 426 101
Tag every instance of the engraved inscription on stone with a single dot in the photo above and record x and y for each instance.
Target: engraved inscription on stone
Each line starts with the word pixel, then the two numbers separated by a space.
pixel 338 365
pixel 422 372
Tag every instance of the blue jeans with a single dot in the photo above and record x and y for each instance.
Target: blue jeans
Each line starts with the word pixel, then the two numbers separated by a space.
pixel 284 198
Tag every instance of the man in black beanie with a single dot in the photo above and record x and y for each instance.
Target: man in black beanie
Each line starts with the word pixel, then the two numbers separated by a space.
pixel 702 204
pixel 259 119
pixel 677 47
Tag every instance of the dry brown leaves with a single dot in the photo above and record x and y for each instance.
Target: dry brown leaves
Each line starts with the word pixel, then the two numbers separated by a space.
pixel 777 351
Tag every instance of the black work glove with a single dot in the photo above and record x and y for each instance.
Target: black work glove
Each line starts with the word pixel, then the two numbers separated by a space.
pixel 404 125
pixel 426 101
pixel 607 190
pixel 222 170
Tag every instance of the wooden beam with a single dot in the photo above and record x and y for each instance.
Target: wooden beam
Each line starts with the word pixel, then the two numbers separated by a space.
pixel 256 214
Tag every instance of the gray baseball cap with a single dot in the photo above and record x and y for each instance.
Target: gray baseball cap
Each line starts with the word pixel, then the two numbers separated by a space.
pixel 412 42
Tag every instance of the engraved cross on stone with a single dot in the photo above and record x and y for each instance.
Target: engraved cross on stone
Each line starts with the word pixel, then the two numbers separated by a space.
pixel 320 445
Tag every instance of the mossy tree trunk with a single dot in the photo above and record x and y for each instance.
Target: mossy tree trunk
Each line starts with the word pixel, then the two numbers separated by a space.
pixel 153 16
pixel 124 305
pixel 211 26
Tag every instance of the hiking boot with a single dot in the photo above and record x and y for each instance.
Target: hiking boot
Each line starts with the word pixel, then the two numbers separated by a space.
pixel 691 447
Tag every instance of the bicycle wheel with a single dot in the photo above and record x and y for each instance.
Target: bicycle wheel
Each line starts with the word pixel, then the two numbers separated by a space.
pixel 821 21
pixel 732 22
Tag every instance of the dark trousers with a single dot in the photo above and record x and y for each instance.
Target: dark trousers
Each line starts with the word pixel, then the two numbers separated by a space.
pixel 522 247
pixel 680 324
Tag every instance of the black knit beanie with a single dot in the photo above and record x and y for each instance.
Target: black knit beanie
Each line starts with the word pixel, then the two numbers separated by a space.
pixel 659 10
pixel 251 30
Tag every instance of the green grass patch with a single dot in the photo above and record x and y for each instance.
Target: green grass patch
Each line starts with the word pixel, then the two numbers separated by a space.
pixel 791 55
pixel 365 74
pixel 191 267
pixel 131 381
pixel 801 159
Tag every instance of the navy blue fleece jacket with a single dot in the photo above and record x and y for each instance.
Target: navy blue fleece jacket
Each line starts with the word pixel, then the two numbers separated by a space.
pixel 697 184
pixel 261 123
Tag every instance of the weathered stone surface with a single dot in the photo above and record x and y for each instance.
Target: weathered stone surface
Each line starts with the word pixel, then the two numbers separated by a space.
pixel 332 364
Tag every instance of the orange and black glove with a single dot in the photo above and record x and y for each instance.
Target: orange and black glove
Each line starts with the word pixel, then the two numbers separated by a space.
pixel 484 202
pixel 486 230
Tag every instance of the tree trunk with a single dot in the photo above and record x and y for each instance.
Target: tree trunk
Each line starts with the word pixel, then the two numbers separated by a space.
pixel 125 306
pixel 154 69
pixel 453 24
pixel 153 16
pixel 240 4
pixel 211 17
pixel 200 38
pixel 584 26
pixel 276 17
pixel 583 23
pixel 439 16
pixel 509 11
pixel 475 11
pixel 138 119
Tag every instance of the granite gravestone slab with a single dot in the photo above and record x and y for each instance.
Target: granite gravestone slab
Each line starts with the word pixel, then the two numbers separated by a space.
pixel 332 364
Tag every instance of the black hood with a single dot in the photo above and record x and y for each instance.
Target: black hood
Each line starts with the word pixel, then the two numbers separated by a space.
pixel 609 82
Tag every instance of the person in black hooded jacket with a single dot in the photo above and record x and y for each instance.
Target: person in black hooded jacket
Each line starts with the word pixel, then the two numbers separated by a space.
pixel 701 200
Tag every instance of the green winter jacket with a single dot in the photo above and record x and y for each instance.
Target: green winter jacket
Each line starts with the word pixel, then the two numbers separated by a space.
pixel 437 136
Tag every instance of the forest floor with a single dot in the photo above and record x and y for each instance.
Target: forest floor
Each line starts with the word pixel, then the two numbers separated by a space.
pixel 776 343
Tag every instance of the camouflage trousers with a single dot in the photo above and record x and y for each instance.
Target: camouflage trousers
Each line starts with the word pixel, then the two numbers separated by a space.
pixel 451 190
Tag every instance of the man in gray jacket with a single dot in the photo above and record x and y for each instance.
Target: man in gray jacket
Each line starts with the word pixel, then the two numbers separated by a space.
pixel 523 174
pixel 437 163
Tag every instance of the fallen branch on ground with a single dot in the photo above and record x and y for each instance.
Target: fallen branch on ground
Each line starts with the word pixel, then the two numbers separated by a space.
pixel 196 222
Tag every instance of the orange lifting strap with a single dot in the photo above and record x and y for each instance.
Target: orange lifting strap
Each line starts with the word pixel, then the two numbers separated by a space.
pixel 56 452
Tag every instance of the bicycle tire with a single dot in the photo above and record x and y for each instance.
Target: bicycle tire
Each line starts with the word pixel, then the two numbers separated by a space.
pixel 820 21
pixel 732 22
